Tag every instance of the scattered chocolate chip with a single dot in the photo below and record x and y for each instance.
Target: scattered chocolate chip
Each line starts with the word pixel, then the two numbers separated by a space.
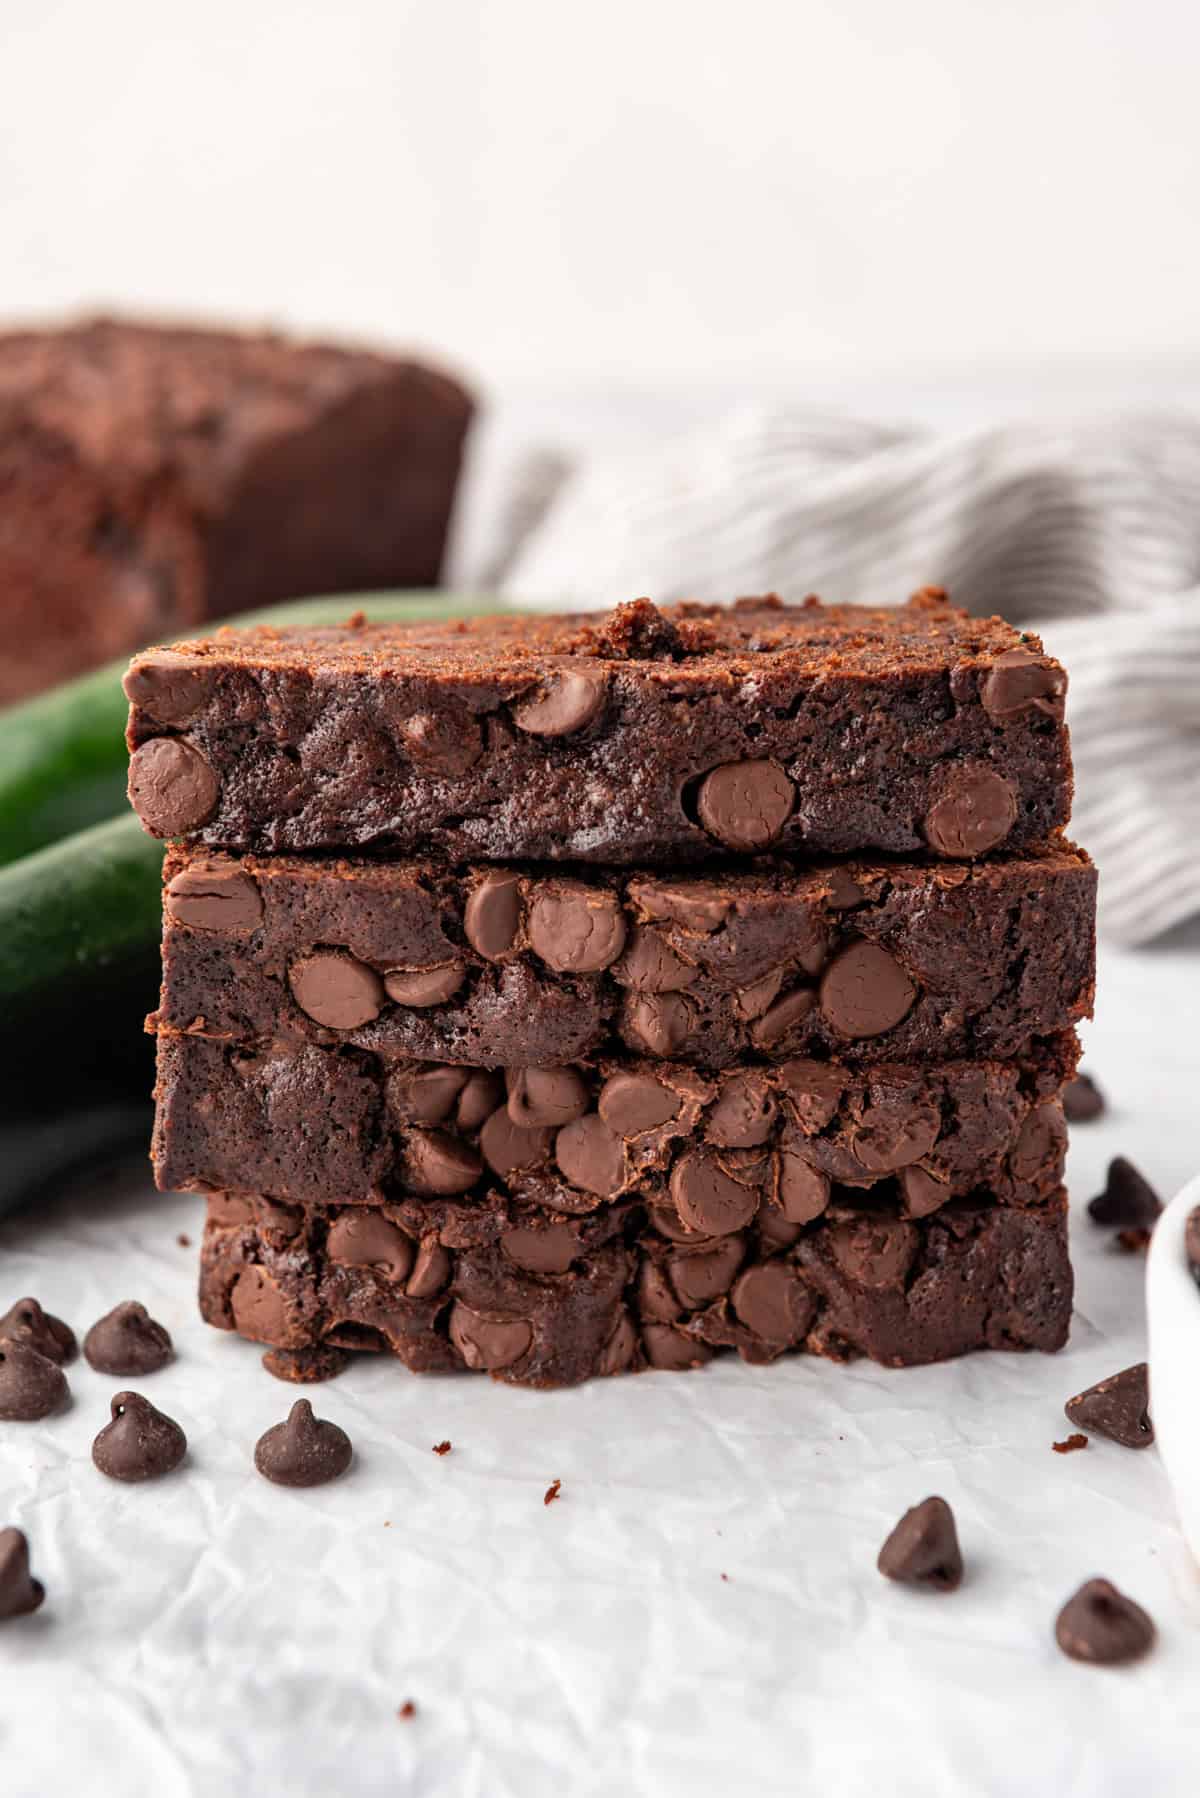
pixel 545 1098
pixel 171 786
pixel 421 987
pixel 488 1343
pixel 20 1593
pixel 1117 1408
pixel 1083 1100
pixel 31 1385
pixel 591 1155
pixel 334 988
pixel 306 1366
pixel 439 1164
pixel 572 700
pixel 303 1451
pixel 1100 1625
pixel 408 1709
pixel 553 1491
pixel 707 1200
pixel 214 899
pixel 865 991
pixel 360 1237
pixel 127 1341
pixel 745 805
pixel 1070 1444
pixel 633 1103
pixel 1020 682
pixel 1133 1242
pixel 975 812
pixel 576 929
pixel 441 1448
pixel 140 1443
pixel 27 1323
pixel 923 1548
pixel 492 915
pixel 1128 1201
pixel 424 1095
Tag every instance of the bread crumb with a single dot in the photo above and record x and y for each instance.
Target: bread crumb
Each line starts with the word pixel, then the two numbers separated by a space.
pixel 552 1492
pixel 441 1448
pixel 1070 1445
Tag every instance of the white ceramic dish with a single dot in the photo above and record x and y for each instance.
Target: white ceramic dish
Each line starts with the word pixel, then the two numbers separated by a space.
pixel 1173 1319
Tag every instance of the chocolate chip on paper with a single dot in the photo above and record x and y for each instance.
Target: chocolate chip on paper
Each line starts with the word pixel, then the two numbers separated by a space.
pixel 1082 1099
pixel 1117 1408
pixel 20 1593
pixel 305 1450
pixel 31 1385
pixel 1128 1201
pixel 923 1548
pixel 26 1322
pixel 1102 1626
pixel 140 1443
pixel 127 1341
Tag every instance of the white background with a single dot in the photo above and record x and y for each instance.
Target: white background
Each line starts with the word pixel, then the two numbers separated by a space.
pixel 648 190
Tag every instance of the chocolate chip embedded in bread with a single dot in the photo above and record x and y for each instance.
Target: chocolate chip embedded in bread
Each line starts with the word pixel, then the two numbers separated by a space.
pixel 492 915
pixel 803 1189
pixel 507 1146
pixel 480 1096
pixel 221 899
pixel 658 1023
pixel 697 906
pixel 591 1155
pixel 621 1347
pixel 168 688
pixel 865 991
pixel 1082 1099
pixel 1100 1625
pixel 975 812
pixel 424 1095
pixel 814 1090
pixel 571 700
pixel 774 1302
pixel 31 1385
pixel 334 988
pixel 171 786
pixel 259 1308
pixel 360 1237
pixel 447 741
pixel 874 1252
pixel 707 1199
pixel 781 1018
pixel 670 1350
pixel 923 1192
pixel 436 1163
pixel 421 987
pixel 703 1275
pixel 576 929
pixel 634 1103
pixel 140 1443
pixel 545 1098
pixel 891 1136
pixel 1041 1144
pixel 923 1548
pixel 650 965
pixel 744 1113
pixel 127 1340
pixel 547 1251
pixel 656 1297
pixel 26 1322
pixel 306 1366
pixel 20 1593
pixel 431 1270
pixel 488 1343
pixel 303 1451
pixel 1020 682
pixel 1118 1408
pixel 745 805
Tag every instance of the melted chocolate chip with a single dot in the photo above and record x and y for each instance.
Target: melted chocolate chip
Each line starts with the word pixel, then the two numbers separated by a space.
pixel 431 1270
pixel 697 906
pixel 1100 1625
pixel 659 1024
pixel 127 1341
pixel 670 1350
pixel 258 1306
pixel 482 1094
pixel 814 1090
pixel 446 742
pixel 492 915
pixel 1021 682
pixel 220 899
pixel 656 1297
pixel 650 965
pixel 489 1343
pixel 31 1385
pixel 888 1137
pixel 975 812
pixel 575 929
pixel 620 1348
pixel 547 1251
pixel 923 1192
pixel 303 1451
pixel 1041 1144
pixel 360 1237
pixel 140 1443
pixel 20 1593
pixel 27 1323
pixel 171 786
pixel 424 1095
pixel 334 988
pixel 745 805
pixel 923 1548
pixel 874 1252
pixel 781 1018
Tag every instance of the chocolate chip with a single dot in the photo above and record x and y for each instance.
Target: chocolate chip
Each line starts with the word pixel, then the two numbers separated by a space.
pixel 448 741
pixel 782 1017
pixel 923 1548
pixel 650 965
pixel 814 1089
pixel 874 1252
pixel 591 1155
pixel 304 1451
pixel 1102 1626
pixel 306 1366
pixel 774 1302
pixel 843 891
pixel 744 1114
pixel 230 1209
pixel 169 688
pixel 140 1443
pixel 888 1137
pixel 697 906
pixel 424 1095
pixel 1133 1242
pixel 1117 1408
pixel 760 995
pixel 20 1593
pixel 359 1237
pixel 1083 1100
pixel 507 1146
pixel 633 1103
pixel 334 988
pixel 547 1251
pixel 656 1297
pixel 258 1306
pixel 1041 1144
pixel 571 700
pixel 1128 1201
pixel 975 812
pixel 865 991
pixel 1021 682
pixel 923 1192
pixel 745 805
pixel 803 1189
pixel 576 929
pixel 431 1270
pixel 482 1094
pixel 620 1348
pixel 214 899
pixel 488 1343
pixel 703 1275
pixel 31 1385
pixel 171 786
pixel 421 987
pixel 27 1323
pixel 658 1023
pixel 545 1098
pixel 776 1231
pixel 672 1351
pixel 707 1200
pixel 436 1163
pixel 127 1341
pixel 492 915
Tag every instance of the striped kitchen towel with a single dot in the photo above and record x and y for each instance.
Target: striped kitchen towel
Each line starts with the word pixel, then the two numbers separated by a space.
pixel 1089 532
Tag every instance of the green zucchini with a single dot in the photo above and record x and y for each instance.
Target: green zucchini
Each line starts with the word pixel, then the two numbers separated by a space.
pixel 62 754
